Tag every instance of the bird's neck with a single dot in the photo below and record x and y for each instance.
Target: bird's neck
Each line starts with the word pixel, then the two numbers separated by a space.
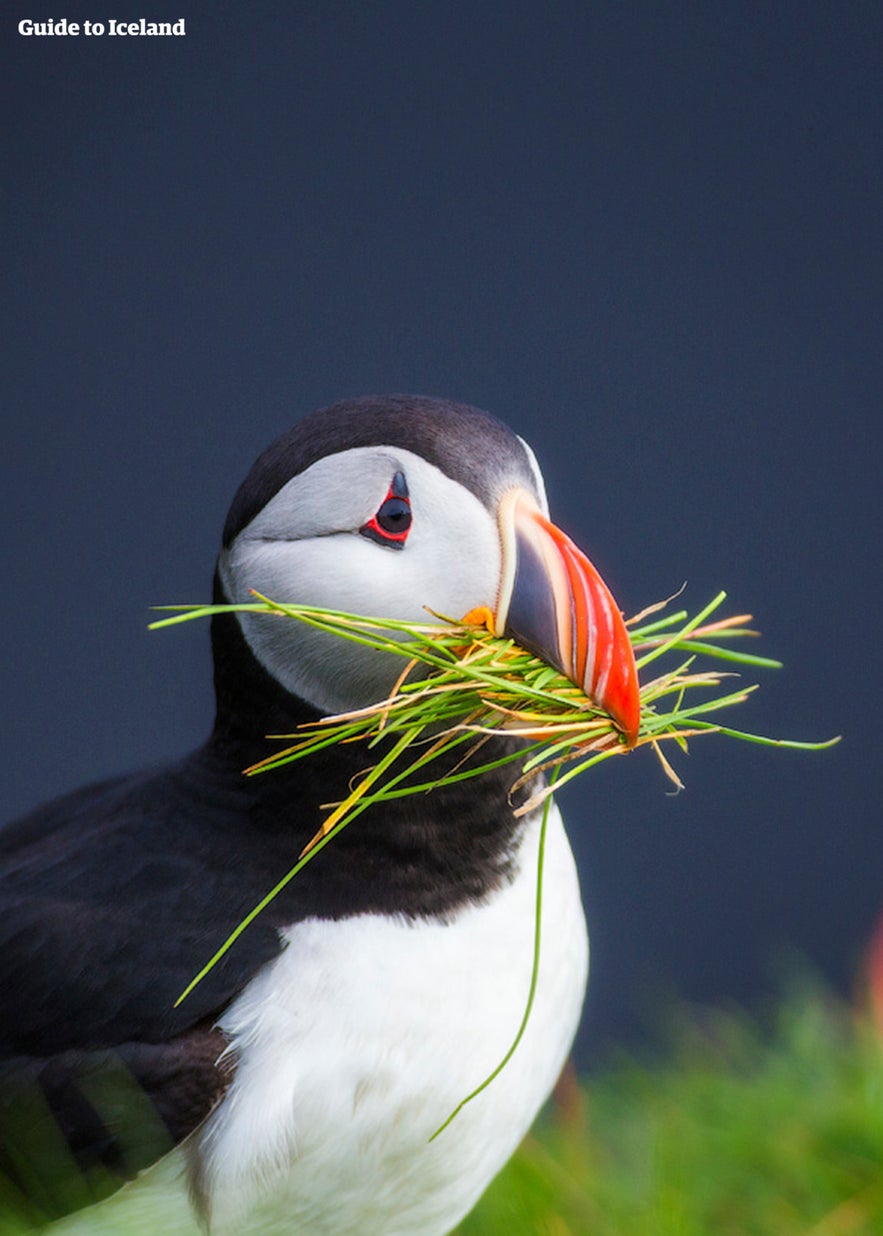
pixel 422 854
pixel 250 703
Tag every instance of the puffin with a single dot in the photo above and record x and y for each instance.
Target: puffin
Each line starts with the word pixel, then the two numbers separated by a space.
pixel 299 1085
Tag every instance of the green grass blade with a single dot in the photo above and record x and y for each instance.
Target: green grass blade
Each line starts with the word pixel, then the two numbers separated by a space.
pixel 534 976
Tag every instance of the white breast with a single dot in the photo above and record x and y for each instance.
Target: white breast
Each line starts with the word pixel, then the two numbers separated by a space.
pixel 357 1043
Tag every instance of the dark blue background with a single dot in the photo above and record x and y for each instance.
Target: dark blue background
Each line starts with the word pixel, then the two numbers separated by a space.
pixel 647 236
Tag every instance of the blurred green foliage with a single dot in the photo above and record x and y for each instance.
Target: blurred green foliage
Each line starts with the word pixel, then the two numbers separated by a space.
pixel 738 1132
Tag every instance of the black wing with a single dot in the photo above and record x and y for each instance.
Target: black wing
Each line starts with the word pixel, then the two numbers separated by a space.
pixel 111 901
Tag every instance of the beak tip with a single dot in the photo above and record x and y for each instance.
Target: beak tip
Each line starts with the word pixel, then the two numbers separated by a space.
pixel 630 724
pixel 622 700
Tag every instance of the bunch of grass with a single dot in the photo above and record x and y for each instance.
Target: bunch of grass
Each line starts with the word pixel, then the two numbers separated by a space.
pixel 461 685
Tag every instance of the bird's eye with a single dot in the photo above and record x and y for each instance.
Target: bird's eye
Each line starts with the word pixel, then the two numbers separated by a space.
pixel 394 516
pixel 392 521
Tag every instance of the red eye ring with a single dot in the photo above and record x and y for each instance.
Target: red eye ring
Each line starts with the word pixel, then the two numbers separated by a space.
pixel 391 523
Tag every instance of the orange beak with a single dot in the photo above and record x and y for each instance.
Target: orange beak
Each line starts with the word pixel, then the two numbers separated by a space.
pixel 554 603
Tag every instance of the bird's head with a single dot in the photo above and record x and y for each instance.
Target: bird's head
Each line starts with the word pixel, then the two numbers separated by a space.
pixel 395 505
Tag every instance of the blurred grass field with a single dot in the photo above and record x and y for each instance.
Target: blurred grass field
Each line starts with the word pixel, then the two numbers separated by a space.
pixel 736 1128
pixel 737 1131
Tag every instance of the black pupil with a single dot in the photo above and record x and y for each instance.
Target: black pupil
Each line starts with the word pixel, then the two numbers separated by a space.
pixel 394 515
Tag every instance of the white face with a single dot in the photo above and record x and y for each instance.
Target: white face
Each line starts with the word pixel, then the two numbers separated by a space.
pixel 305 546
